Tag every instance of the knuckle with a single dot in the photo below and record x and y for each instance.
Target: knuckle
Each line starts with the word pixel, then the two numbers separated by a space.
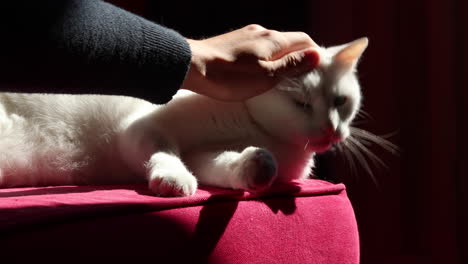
pixel 305 37
pixel 276 39
pixel 269 33
pixel 254 27
pixel 303 34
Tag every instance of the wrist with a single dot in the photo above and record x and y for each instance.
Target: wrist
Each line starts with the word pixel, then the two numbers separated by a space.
pixel 197 67
pixel 198 61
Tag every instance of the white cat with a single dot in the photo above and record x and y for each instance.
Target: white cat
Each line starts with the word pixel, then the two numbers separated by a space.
pixel 90 139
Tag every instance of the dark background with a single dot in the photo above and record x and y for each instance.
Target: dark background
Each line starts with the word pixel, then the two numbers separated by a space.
pixel 414 78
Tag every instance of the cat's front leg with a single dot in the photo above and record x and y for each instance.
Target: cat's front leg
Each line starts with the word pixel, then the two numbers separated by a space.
pixel 168 176
pixel 149 152
pixel 253 169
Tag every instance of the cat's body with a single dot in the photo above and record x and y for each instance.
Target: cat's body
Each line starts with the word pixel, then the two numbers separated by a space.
pixel 91 139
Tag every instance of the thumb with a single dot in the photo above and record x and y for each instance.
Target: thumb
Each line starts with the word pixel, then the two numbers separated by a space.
pixel 293 64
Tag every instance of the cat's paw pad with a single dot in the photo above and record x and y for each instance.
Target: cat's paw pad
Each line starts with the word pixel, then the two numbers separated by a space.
pixel 173 185
pixel 259 169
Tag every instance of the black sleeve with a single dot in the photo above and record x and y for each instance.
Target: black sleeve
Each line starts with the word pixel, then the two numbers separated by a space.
pixel 88 46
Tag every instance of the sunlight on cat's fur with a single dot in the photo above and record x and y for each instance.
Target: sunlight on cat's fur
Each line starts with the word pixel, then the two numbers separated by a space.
pixel 92 139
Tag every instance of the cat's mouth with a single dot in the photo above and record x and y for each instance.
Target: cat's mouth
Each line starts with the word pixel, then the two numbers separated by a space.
pixel 321 145
pixel 325 143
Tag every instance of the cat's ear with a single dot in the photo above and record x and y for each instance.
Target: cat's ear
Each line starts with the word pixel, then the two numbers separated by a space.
pixel 347 57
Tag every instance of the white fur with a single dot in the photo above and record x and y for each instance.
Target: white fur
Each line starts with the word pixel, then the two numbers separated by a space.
pixel 92 139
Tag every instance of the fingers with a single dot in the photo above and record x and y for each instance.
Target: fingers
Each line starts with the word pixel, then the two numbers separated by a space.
pixel 280 53
pixel 292 64
pixel 271 44
pixel 284 43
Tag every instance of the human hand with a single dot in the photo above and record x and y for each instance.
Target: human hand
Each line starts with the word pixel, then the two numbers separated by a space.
pixel 247 62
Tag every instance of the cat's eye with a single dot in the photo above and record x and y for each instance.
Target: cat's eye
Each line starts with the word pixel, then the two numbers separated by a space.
pixel 302 105
pixel 339 100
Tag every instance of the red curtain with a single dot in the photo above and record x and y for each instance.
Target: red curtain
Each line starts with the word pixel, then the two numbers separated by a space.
pixel 415 82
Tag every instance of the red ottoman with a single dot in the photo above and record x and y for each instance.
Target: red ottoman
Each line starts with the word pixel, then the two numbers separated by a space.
pixel 309 221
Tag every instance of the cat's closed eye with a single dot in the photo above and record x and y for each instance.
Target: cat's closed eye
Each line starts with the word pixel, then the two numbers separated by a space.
pixel 302 105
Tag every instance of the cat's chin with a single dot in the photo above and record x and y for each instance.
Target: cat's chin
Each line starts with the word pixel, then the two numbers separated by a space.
pixel 321 148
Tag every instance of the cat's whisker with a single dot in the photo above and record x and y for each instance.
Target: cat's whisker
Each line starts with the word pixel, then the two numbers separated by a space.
pixel 342 147
pixel 389 135
pixel 364 142
pixel 362 134
pixel 365 150
pixel 351 144
pixel 358 122
pixel 290 85
pixel 290 89
pixel 363 114
pixel 307 144
pixel 356 148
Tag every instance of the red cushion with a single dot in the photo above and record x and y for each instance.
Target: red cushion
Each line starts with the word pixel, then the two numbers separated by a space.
pixel 310 221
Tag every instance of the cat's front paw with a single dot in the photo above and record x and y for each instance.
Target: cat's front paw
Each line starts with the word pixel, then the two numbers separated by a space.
pixel 171 184
pixel 258 170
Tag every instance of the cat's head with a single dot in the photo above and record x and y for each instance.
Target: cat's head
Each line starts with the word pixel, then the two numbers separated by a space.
pixel 314 110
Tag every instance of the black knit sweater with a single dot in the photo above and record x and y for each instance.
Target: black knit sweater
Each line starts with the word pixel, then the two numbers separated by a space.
pixel 88 46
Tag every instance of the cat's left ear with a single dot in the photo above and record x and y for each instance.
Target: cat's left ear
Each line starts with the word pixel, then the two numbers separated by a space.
pixel 347 58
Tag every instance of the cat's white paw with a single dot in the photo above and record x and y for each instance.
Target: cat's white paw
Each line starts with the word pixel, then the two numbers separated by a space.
pixel 258 169
pixel 171 184
pixel 168 176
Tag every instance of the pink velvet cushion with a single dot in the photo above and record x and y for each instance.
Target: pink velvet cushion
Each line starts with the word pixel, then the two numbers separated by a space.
pixel 310 221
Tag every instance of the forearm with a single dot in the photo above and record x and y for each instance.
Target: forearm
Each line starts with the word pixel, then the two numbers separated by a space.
pixel 88 46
